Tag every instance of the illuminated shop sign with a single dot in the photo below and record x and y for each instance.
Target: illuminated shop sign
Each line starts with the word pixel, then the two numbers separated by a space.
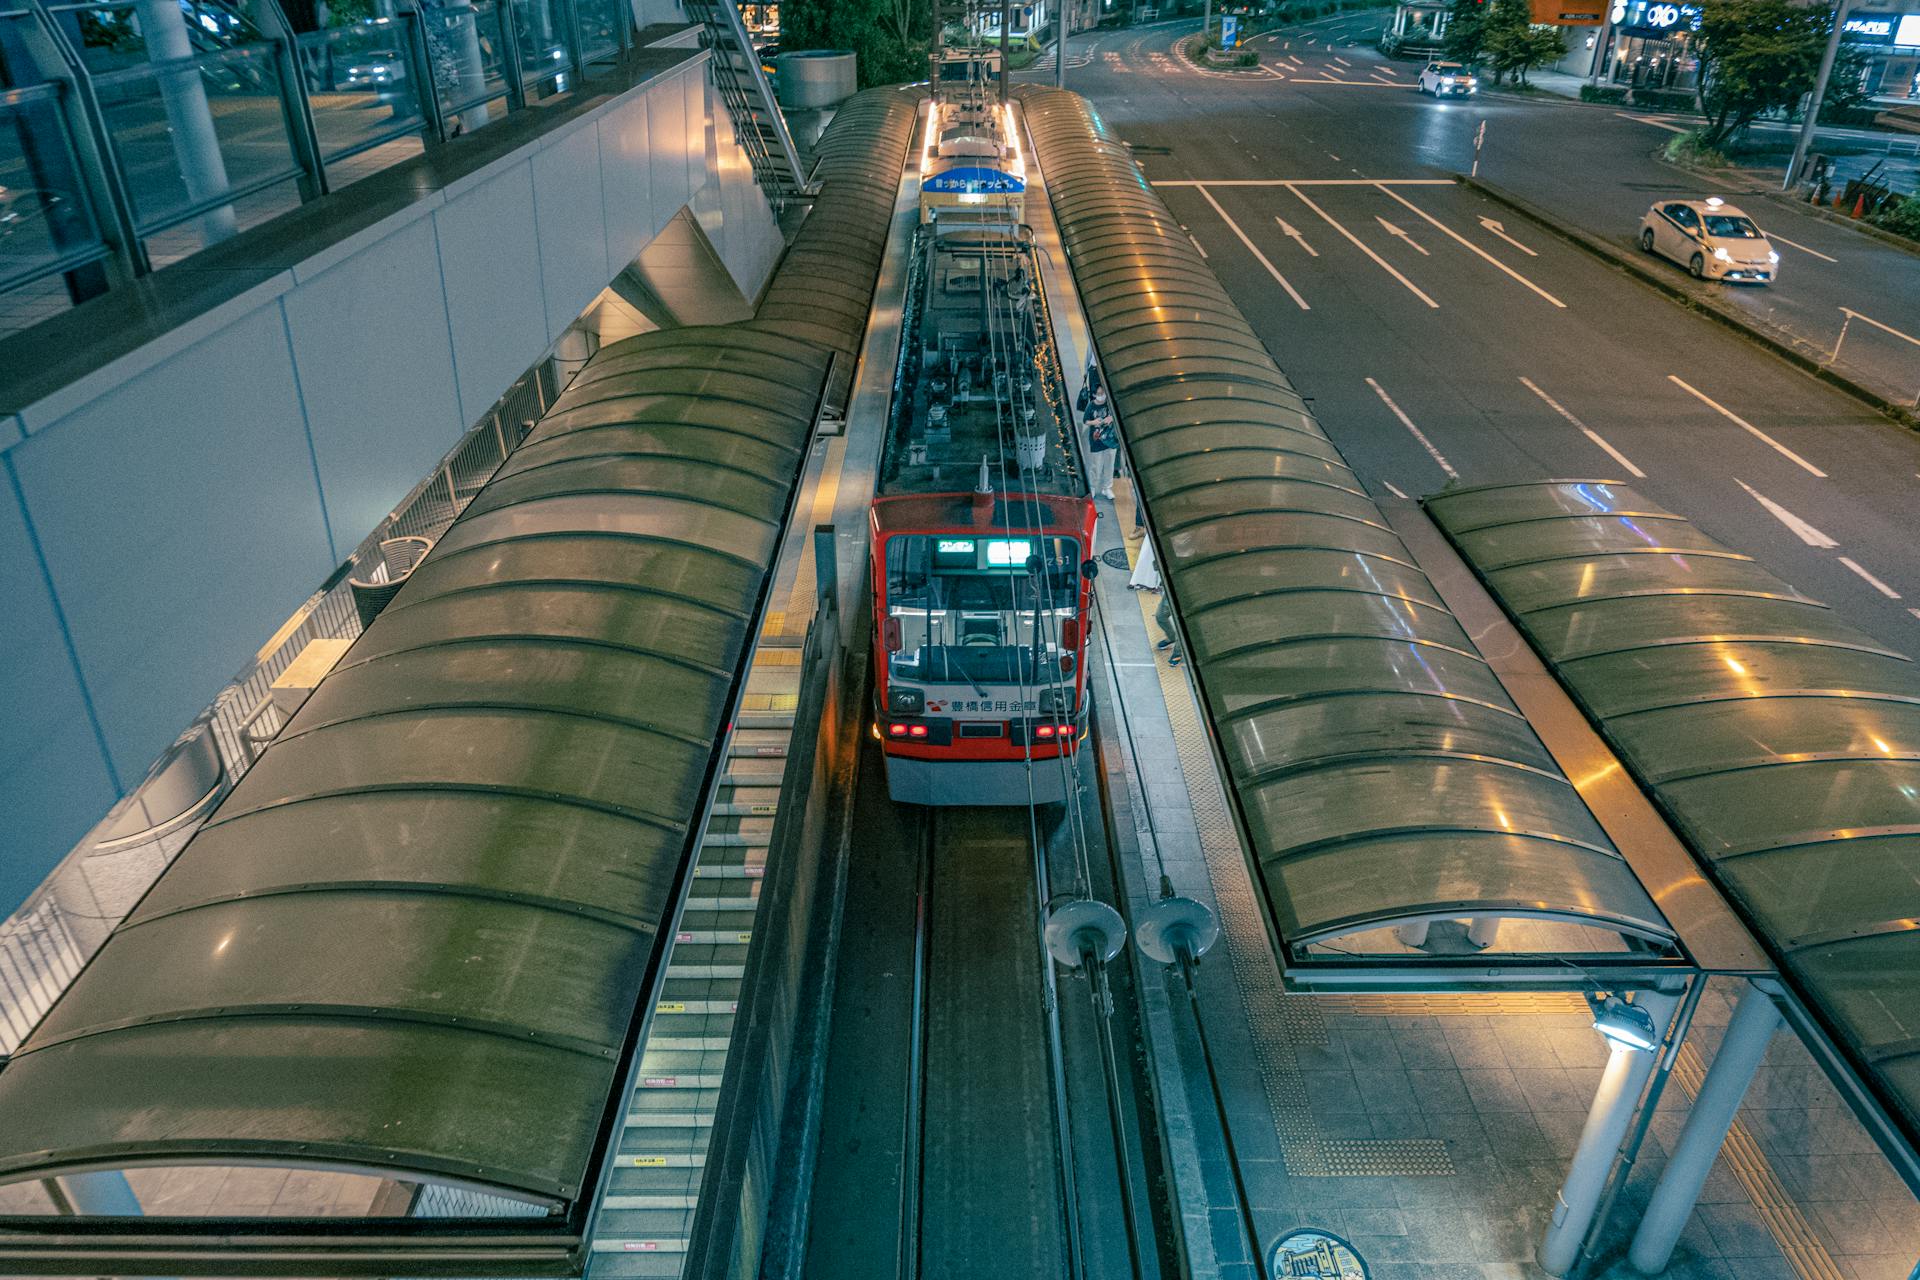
pixel 1661 20
pixel 1869 30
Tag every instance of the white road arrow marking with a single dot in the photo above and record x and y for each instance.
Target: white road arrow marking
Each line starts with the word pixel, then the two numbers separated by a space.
pixel 1393 230
pixel 1801 529
pixel 1253 249
pixel 1501 231
pixel 1292 233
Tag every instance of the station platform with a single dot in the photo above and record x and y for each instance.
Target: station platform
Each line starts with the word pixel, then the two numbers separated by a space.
pixel 1432 1131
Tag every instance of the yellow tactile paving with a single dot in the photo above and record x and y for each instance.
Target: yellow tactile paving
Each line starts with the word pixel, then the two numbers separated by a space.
pixel 1414 1004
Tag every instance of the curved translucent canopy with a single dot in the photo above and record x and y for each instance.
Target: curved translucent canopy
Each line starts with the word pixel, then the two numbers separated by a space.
pixel 415 936
pixel 823 290
pixel 1380 769
pixel 1784 744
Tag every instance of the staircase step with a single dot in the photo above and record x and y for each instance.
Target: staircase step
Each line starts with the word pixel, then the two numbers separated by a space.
pixel 665 1200
pixel 713 937
pixel 619 1225
pixel 679 1148
pixel 730 864
pixel 638 1265
pixel 677 1080
pixel 691 991
pixel 666 1102
pixel 706 968
pixel 631 1180
pixel 718 919
pixel 646 1121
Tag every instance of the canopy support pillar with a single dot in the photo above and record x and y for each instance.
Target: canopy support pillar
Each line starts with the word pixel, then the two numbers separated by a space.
pixel 103 1194
pixel 1745 1044
pixel 1613 1106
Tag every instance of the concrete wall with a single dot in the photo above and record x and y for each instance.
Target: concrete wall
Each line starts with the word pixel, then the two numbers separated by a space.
pixel 160 518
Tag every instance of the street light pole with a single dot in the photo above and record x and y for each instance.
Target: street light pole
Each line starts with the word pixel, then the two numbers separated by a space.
pixel 1006 13
pixel 1060 43
pixel 1819 96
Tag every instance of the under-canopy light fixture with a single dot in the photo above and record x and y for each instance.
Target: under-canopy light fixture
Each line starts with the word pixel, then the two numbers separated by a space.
pixel 1626 1025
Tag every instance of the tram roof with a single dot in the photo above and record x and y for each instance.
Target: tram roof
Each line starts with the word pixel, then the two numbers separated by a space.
pixel 1379 770
pixel 1783 743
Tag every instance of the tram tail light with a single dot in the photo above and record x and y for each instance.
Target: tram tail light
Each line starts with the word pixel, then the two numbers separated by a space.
pixel 916 731
pixel 896 731
pixel 1070 634
pixel 1043 731
pixel 890 638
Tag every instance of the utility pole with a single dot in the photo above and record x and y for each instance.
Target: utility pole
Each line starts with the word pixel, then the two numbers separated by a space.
pixel 1206 27
pixel 1819 96
pixel 1602 46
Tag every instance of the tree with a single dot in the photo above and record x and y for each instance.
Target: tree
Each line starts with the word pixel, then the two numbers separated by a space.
pixel 1847 86
pixel 1514 45
pixel 891 37
pixel 1466 31
pixel 1756 56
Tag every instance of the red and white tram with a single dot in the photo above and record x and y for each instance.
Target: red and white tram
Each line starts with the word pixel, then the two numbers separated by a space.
pixel 982 527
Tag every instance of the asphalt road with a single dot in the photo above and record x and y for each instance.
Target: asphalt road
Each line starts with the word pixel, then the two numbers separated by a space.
pixel 1443 339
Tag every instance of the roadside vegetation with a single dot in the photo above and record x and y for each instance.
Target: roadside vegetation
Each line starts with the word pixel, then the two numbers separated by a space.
pixel 1502 38
pixel 1900 216
pixel 891 37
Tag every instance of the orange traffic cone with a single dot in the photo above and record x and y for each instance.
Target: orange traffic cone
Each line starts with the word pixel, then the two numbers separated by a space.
pixel 1860 207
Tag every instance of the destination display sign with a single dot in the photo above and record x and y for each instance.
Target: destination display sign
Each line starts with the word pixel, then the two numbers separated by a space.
pixel 975 180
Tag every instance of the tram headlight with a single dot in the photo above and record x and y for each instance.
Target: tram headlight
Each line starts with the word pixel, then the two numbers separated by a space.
pixel 906 701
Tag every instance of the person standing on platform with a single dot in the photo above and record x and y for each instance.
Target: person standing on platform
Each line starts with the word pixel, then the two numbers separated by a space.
pixel 1103 442
pixel 1169 637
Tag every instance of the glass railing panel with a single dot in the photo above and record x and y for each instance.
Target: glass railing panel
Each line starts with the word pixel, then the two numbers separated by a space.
pixel 360 83
pixel 538 36
pixel 114 35
pixel 196 135
pixel 46 224
pixel 600 30
pixel 466 53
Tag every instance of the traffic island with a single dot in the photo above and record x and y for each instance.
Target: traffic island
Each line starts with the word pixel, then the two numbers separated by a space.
pixel 1794 351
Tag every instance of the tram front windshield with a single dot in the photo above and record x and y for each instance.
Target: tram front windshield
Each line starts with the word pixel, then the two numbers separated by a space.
pixel 980 610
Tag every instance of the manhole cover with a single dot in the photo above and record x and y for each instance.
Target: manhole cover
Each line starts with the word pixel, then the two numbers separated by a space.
pixel 1116 558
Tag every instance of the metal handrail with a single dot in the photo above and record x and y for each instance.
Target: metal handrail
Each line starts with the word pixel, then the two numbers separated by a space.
pixel 239 191
pixel 173 66
pixel 30 93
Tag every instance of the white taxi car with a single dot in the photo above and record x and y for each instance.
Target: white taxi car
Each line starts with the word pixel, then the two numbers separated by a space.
pixel 1711 238
pixel 1448 80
